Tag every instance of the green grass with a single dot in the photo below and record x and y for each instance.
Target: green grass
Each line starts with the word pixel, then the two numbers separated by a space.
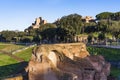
pixel 26 54
pixel 6 60
pixel 7 66
pixel 108 35
pixel 95 34
pixel 8 70
pixel 115 72
pixel 10 47
pixel 109 54
pixel 113 43
pixel 2 43
pixel 3 46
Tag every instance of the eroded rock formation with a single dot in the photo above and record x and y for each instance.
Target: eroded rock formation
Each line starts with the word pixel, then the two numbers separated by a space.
pixel 66 62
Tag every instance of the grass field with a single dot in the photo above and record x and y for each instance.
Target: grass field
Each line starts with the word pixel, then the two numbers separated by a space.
pixel 9 65
pixel 26 54
pixel 109 54
pixel 10 47
pixel 6 60
pixel 115 71
pixel 2 43
pixel 3 46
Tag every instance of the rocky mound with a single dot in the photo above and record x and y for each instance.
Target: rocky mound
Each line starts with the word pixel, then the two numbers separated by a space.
pixel 66 62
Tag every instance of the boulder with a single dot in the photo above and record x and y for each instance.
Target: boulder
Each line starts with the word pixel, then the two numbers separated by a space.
pixel 18 77
pixel 66 62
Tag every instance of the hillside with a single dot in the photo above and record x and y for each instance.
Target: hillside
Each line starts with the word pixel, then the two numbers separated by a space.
pixel 10 65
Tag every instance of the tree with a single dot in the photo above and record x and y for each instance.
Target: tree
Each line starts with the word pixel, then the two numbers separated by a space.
pixel 90 36
pixel 26 39
pixel 104 15
pixel 37 38
pixel 61 34
pixel 119 36
pixel 71 25
pixel 115 16
pixel 8 35
pixel 47 31
pixel 115 28
pixel 102 26
pixel 90 27
pixel 19 36
pixel 101 36
pixel 49 34
pixel 46 26
pixel 31 31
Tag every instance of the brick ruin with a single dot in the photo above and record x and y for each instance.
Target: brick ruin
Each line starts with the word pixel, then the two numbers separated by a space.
pixel 66 62
pixel 39 21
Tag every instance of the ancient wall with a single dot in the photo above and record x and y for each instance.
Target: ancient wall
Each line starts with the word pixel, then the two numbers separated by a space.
pixel 19 77
pixel 66 62
pixel 39 21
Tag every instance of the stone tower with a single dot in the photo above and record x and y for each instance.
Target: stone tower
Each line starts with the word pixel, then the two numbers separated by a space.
pixel 88 19
pixel 38 22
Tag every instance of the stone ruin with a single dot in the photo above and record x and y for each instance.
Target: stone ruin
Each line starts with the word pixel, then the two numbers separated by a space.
pixel 38 22
pixel 66 62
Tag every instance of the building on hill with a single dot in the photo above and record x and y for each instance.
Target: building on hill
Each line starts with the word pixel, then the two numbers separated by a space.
pixel 88 19
pixel 38 22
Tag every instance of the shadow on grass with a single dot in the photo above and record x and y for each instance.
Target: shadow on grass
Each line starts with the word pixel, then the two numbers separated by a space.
pixel 13 69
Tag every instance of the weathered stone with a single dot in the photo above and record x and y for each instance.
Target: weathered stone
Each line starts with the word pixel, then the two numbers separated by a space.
pixel 14 78
pixel 66 62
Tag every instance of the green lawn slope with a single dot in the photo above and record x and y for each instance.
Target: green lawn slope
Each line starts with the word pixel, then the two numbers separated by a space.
pixel 25 54
pixel 10 47
pixel 109 54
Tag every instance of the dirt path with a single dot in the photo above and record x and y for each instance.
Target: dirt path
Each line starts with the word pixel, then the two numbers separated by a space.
pixel 13 56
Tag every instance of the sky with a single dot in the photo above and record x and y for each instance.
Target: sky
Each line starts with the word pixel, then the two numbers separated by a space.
pixel 20 14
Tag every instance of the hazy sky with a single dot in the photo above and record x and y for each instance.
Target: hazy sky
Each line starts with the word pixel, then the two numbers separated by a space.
pixel 19 14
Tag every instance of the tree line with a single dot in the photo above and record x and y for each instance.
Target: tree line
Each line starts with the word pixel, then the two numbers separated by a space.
pixel 64 29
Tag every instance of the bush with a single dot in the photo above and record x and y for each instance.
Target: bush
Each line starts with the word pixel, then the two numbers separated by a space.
pixel 101 36
pixel 90 38
pixel 26 39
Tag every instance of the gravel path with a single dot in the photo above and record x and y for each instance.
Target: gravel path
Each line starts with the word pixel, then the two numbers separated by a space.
pixel 12 56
